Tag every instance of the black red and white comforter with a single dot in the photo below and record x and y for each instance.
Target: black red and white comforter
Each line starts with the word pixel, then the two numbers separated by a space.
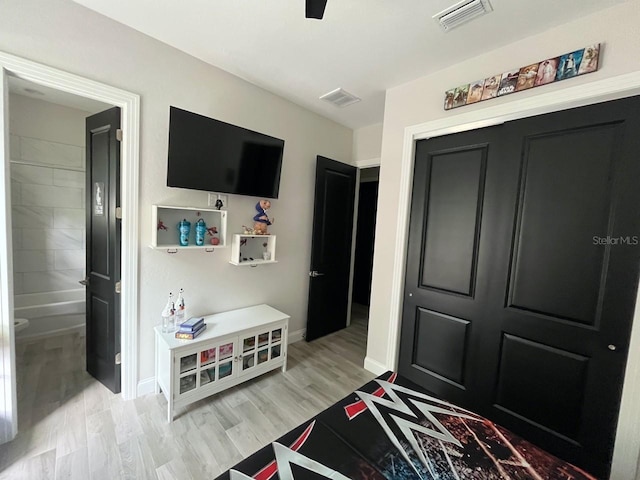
pixel 389 429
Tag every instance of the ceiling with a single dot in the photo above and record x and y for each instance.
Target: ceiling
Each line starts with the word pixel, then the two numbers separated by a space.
pixel 363 46
pixel 19 86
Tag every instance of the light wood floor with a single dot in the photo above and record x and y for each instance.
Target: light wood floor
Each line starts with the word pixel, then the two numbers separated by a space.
pixel 71 427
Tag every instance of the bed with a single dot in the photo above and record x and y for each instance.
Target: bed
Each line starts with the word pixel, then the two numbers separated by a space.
pixel 391 429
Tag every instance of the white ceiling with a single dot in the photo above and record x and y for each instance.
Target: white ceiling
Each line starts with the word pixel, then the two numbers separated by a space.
pixel 19 86
pixel 363 46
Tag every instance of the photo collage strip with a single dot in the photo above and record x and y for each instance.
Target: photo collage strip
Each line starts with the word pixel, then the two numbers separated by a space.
pixel 547 71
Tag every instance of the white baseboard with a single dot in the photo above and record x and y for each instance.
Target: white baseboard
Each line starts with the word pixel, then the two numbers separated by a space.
pixel 146 386
pixel 297 335
pixel 374 366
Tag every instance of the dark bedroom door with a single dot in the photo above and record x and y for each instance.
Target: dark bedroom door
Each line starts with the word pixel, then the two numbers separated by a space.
pixel 330 248
pixel 522 273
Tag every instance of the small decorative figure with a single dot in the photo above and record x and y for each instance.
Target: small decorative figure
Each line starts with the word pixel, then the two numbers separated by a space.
pixel 161 225
pixel 212 232
pixel 219 204
pixel 261 218
pixel 248 231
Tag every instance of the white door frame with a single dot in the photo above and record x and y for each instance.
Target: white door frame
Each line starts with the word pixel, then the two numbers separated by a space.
pixel 627 447
pixel 129 104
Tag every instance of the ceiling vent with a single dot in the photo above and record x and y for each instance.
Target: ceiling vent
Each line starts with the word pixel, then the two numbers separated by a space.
pixel 340 98
pixel 462 12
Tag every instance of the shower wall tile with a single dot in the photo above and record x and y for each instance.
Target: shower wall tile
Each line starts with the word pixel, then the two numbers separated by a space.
pixel 17 239
pixel 68 178
pixel 51 281
pixel 33 261
pixel 32 217
pixel 45 195
pixel 16 193
pixel 31 174
pixel 18 282
pixel 43 152
pixel 48 215
pixel 52 239
pixel 69 218
pixel 69 259
pixel 14 147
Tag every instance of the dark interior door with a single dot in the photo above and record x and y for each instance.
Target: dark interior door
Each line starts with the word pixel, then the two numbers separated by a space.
pixel 365 238
pixel 103 248
pixel 522 274
pixel 331 248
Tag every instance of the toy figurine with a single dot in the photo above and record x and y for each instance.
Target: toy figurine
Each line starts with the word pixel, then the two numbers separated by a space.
pixel 212 232
pixel 261 218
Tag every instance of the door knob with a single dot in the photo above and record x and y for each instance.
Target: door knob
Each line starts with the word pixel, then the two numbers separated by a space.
pixel 84 282
pixel 612 347
pixel 315 273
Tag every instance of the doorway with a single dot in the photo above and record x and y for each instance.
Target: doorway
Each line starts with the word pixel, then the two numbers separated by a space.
pixel 48 169
pixel 336 229
pixel 43 76
pixel 365 240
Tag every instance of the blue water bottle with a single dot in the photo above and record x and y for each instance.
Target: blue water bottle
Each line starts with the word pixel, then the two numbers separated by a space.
pixel 201 229
pixel 184 228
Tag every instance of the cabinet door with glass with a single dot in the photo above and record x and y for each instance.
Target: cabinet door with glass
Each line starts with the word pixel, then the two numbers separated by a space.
pixel 217 363
pixel 260 347
pixel 210 364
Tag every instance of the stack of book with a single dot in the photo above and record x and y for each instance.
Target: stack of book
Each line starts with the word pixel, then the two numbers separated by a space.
pixel 191 328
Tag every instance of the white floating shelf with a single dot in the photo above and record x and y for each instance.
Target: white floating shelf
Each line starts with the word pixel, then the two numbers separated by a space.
pixel 167 238
pixel 247 250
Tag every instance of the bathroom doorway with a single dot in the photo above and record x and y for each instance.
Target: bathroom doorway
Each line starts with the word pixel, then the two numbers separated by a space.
pixel 47 169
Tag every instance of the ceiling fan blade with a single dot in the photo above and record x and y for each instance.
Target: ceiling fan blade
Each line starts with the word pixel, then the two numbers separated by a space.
pixel 315 8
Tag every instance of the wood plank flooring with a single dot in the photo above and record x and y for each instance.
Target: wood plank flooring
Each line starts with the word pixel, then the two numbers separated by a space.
pixel 71 427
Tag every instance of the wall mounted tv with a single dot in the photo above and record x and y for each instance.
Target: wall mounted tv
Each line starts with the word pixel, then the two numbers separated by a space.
pixel 214 156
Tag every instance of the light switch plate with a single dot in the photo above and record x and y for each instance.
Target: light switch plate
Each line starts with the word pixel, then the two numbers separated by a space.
pixel 214 197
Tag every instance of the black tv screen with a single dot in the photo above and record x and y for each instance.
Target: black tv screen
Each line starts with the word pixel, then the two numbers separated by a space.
pixel 214 156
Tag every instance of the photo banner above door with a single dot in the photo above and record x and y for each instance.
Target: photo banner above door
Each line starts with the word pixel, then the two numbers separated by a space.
pixel 561 67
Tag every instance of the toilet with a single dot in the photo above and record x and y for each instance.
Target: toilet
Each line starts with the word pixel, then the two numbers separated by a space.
pixel 20 324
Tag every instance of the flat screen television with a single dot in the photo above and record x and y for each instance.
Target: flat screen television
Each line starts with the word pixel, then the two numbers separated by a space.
pixel 214 156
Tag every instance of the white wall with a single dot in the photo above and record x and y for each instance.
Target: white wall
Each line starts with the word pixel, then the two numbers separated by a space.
pixel 47 188
pixel 67 36
pixel 422 101
pixel 367 143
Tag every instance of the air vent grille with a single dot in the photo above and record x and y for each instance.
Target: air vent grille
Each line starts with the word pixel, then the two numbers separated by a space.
pixel 462 12
pixel 340 98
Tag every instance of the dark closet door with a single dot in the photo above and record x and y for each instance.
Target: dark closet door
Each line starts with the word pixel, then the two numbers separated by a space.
pixel 542 347
pixel 448 262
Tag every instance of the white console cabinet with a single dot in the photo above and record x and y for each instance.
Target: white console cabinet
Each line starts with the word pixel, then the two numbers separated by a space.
pixel 236 346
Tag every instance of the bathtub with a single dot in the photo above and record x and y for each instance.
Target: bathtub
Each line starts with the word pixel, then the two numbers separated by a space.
pixel 51 312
